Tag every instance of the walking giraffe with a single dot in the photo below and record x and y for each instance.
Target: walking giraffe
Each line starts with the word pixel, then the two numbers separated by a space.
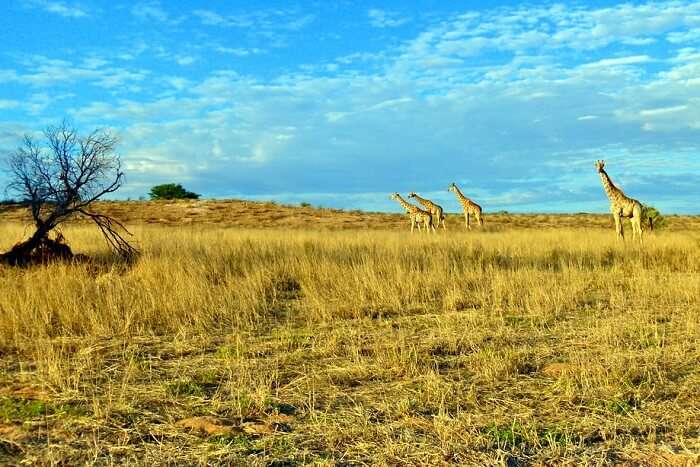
pixel 434 209
pixel 469 206
pixel 417 215
pixel 621 205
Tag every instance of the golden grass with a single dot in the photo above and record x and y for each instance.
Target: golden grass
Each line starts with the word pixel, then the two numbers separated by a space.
pixel 364 347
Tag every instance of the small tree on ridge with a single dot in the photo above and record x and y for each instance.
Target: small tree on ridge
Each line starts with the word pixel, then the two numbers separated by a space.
pixel 171 191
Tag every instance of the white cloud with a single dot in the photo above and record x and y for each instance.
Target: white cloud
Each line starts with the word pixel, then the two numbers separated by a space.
pixel 385 19
pixel 239 51
pixel 154 11
pixel 9 104
pixel 639 41
pixel 299 23
pixel 60 8
pixel 649 18
pixel 612 62
pixel 260 21
pixel 8 75
pixel 185 60
pixel 662 111
pixel 682 37
pixel 178 82
pixel 212 18
pixel 94 62
pixel 46 72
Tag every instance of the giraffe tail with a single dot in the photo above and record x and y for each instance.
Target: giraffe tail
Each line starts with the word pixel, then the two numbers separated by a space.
pixel 651 224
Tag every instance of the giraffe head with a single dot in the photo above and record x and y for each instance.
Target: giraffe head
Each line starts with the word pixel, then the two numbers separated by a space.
pixel 599 165
pixel 412 194
pixel 452 187
pixel 394 196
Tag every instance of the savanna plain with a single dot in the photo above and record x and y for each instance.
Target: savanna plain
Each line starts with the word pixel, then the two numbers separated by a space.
pixel 302 336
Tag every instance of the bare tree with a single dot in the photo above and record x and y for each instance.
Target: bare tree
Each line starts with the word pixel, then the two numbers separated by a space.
pixel 62 178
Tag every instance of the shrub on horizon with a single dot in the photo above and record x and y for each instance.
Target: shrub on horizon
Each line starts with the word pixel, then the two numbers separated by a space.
pixel 171 191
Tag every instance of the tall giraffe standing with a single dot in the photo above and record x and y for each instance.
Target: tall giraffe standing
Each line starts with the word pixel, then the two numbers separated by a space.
pixel 621 205
pixel 434 209
pixel 417 215
pixel 469 206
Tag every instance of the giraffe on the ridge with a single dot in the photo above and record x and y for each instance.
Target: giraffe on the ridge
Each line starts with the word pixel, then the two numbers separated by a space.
pixel 417 215
pixel 434 209
pixel 469 206
pixel 621 205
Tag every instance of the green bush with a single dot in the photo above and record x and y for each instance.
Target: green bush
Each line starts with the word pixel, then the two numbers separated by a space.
pixel 171 191
pixel 653 214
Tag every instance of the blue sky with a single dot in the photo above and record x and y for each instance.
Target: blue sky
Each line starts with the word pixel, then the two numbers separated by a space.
pixel 342 103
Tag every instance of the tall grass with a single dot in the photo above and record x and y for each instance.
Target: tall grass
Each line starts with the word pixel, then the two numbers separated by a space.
pixel 191 280
pixel 454 337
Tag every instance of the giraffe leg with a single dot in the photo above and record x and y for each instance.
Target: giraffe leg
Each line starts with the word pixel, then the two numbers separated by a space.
pixel 413 223
pixel 440 216
pixel 618 226
pixel 637 220
pixel 469 225
pixel 637 226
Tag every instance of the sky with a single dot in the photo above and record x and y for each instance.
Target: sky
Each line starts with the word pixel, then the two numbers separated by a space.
pixel 341 103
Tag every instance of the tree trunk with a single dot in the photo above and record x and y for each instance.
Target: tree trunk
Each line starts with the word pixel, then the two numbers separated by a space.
pixel 21 253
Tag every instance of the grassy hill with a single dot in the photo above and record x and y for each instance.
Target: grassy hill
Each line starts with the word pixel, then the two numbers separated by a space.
pixel 251 214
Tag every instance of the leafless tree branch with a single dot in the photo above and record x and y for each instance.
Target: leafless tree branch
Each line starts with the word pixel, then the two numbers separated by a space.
pixel 65 176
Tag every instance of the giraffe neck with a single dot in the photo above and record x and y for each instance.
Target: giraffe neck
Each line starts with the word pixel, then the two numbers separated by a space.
pixel 460 196
pixel 613 192
pixel 422 201
pixel 404 203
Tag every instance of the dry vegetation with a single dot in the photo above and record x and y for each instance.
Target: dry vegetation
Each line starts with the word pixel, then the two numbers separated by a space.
pixel 269 215
pixel 279 347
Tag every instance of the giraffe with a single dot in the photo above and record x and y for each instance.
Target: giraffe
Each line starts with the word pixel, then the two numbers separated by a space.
pixel 434 209
pixel 469 206
pixel 621 205
pixel 417 215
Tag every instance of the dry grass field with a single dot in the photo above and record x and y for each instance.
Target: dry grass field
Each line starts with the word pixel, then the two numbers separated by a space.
pixel 254 334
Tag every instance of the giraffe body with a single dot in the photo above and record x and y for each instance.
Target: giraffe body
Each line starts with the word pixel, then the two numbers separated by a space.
pixel 435 209
pixel 469 207
pixel 417 215
pixel 621 205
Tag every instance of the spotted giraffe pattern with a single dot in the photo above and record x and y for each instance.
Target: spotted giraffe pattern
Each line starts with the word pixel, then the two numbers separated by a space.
pixel 434 209
pixel 417 215
pixel 468 206
pixel 621 205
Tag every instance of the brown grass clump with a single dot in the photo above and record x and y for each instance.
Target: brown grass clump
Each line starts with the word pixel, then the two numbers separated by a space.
pixel 239 346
